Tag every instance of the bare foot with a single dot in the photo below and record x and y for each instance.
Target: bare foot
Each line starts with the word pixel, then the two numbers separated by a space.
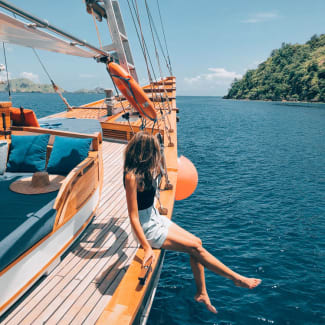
pixel 204 298
pixel 244 282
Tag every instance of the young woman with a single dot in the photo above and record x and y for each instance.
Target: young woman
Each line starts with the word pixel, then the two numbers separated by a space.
pixel 141 168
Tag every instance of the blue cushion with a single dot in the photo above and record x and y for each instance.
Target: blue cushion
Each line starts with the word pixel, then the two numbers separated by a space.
pixel 3 155
pixel 27 153
pixel 66 154
pixel 24 219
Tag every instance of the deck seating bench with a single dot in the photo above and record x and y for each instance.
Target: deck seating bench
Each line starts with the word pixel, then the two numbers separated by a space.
pixel 24 219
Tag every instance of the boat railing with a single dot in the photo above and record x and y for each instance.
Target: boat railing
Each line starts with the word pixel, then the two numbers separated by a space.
pixel 76 189
pixel 96 137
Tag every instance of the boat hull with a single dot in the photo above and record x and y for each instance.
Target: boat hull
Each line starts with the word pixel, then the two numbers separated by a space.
pixel 144 310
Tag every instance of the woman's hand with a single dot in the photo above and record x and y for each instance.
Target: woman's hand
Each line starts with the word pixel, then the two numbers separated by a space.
pixel 148 254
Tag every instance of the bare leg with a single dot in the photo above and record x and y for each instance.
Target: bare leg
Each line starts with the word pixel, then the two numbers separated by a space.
pixel 179 240
pixel 197 269
pixel 201 290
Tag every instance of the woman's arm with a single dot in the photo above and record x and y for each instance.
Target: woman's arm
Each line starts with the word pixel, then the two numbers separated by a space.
pixel 131 199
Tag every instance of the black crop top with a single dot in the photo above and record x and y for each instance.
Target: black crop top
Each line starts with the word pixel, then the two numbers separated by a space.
pixel 145 198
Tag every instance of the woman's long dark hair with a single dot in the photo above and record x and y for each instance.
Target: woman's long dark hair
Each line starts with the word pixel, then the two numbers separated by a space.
pixel 142 157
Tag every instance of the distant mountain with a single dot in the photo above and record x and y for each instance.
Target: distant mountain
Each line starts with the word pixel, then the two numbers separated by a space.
pixel 97 90
pixel 293 72
pixel 23 85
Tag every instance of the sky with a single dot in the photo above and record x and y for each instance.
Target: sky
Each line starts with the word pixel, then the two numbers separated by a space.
pixel 210 42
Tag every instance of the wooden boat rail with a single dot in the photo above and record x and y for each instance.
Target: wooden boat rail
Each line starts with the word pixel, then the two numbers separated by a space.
pixel 96 138
pixel 77 189
pixel 126 305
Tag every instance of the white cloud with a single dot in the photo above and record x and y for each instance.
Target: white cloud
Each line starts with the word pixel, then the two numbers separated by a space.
pixel 31 76
pixel 3 76
pixel 219 76
pixel 9 48
pixel 255 64
pixel 261 17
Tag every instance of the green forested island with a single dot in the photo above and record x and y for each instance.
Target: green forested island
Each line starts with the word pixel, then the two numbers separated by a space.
pixel 292 73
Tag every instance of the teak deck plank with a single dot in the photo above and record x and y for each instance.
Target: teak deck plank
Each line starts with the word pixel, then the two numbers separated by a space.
pixel 80 287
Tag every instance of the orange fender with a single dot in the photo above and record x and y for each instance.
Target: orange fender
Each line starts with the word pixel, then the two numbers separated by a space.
pixel 132 91
pixel 187 178
pixel 29 118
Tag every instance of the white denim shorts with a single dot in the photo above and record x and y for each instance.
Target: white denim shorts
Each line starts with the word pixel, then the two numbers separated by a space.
pixel 154 225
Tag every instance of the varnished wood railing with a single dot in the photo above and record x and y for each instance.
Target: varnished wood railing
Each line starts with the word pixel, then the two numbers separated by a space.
pixel 129 297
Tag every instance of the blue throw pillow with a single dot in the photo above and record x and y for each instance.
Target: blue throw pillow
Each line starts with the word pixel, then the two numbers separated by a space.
pixel 66 154
pixel 3 155
pixel 28 153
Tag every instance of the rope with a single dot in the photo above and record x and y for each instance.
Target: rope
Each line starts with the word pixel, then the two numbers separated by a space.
pixel 142 38
pixel 163 29
pixel 151 84
pixel 158 61
pixel 127 80
pixel 97 30
pixel 155 30
pixel 55 87
pixel 143 46
pixel 143 123
pixel 142 43
pixel 136 9
pixel 4 54
pixel 117 92
pixel 152 26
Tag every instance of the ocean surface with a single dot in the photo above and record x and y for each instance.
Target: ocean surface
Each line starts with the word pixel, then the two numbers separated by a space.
pixel 259 207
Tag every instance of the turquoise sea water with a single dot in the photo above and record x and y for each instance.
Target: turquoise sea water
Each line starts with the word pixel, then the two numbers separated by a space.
pixel 259 207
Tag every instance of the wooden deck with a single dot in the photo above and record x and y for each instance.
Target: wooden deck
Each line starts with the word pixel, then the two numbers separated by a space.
pixel 80 287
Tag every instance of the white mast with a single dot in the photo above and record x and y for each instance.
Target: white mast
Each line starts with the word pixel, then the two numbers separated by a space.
pixel 119 37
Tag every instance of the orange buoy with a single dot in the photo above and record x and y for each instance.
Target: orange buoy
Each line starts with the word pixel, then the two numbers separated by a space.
pixel 132 91
pixel 23 117
pixel 187 178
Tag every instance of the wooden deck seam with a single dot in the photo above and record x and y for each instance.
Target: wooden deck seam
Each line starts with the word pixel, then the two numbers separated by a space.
pixel 97 284
pixel 92 272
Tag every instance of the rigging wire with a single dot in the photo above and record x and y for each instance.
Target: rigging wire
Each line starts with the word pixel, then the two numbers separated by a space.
pixel 152 26
pixel 136 29
pixel 145 49
pixel 157 36
pixel 146 53
pixel 158 61
pixel 8 81
pixel 163 29
pixel 55 87
pixel 143 46
pixel 136 9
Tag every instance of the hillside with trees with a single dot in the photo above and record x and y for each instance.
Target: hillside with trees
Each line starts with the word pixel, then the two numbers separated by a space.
pixel 23 85
pixel 293 73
